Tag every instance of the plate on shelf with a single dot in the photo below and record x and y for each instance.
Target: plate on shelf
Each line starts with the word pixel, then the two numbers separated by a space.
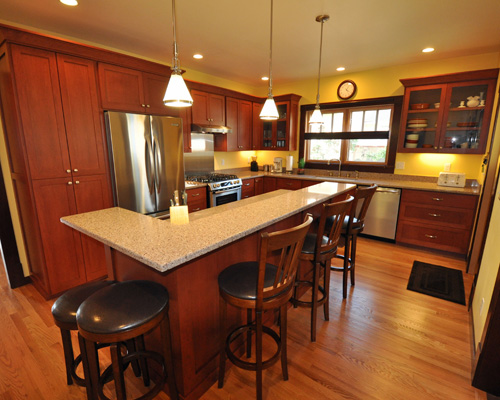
pixel 419 106
pixel 412 136
pixel 417 125
pixel 417 121
pixel 411 145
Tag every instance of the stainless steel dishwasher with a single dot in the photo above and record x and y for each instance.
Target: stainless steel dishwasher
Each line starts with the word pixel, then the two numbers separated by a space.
pixel 382 215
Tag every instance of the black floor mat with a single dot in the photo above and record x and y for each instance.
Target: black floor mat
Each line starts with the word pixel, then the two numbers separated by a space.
pixel 437 281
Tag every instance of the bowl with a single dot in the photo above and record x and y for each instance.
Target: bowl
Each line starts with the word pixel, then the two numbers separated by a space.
pixel 411 145
pixel 412 136
pixel 427 146
pixel 419 106
pixel 411 141
pixel 417 121
pixel 416 126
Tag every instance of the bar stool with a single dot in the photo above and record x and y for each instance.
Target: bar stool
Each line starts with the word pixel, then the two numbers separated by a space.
pixel 353 225
pixel 116 314
pixel 64 312
pixel 319 249
pixel 261 285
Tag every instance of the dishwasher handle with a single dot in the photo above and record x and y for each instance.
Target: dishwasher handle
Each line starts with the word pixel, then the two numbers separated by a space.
pixel 387 190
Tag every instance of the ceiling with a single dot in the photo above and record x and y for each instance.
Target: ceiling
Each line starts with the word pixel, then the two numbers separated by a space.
pixel 233 35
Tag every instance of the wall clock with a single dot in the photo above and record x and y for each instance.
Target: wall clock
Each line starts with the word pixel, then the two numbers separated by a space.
pixel 346 89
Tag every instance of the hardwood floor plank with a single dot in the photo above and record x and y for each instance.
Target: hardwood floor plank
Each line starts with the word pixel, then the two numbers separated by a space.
pixel 383 342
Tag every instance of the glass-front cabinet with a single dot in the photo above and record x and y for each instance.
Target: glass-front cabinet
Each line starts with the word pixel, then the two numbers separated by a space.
pixel 275 132
pixel 448 113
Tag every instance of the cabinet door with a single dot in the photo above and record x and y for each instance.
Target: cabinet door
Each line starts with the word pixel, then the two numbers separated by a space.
pixel 217 109
pixel 281 127
pixel 154 91
pixel 244 125
pixel 185 115
pixel 40 107
pixel 290 184
pixel 54 198
pixel 269 184
pixel 259 186
pixel 121 88
pixel 257 127
pixel 200 107
pixel 229 142
pixel 86 139
pixel 92 193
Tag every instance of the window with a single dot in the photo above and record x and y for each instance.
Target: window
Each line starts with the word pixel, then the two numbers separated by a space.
pixel 362 134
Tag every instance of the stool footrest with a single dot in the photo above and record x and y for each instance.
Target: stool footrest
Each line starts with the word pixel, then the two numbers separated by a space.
pixel 305 303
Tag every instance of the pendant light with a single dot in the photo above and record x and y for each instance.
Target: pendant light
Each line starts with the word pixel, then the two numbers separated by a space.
pixel 316 117
pixel 177 94
pixel 270 111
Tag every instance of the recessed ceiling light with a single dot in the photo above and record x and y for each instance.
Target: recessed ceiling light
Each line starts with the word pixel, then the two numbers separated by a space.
pixel 265 78
pixel 69 2
pixel 341 69
pixel 198 56
pixel 428 50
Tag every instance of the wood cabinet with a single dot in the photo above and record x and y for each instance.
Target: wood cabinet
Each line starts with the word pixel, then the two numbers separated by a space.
pixel 289 184
pixel 248 188
pixel 208 108
pixel 258 186
pixel 436 220
pixel 269 184
pixel 185 115
pixel 448 114
pixel 282 133
pixel 126 89
pixel 196 199
pixel 62 145
pixel 257 126
pixel 239 119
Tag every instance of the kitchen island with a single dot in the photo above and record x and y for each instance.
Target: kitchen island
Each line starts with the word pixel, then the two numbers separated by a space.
pixel 187 259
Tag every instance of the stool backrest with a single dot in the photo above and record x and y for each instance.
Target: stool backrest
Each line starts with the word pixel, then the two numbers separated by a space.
pixel 288 243
pixel 330 226
pixel 362 199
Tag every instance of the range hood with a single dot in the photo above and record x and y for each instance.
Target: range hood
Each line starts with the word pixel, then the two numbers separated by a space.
pixel 197 128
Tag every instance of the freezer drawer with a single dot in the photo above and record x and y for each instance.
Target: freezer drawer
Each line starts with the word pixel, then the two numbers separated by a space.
pixel 382 215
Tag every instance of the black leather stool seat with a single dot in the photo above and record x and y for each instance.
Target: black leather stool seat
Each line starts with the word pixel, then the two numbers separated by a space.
pixel 240 280
pixel 64 312
pixel 310 243
pixel 65 307
pixel 122 307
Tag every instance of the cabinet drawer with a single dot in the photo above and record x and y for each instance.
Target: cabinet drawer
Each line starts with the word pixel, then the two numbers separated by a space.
pixel 441 238
pixel 290 184
pixel 461 218
pixel 439 198
pixel 197 199
pixel 247 188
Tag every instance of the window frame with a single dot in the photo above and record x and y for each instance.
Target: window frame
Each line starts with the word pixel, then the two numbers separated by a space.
pixel 388 167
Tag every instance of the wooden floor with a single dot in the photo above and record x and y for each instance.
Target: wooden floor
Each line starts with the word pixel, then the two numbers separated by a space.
pixel 384 342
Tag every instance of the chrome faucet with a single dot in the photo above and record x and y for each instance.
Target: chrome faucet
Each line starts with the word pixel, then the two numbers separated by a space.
pixel 340 165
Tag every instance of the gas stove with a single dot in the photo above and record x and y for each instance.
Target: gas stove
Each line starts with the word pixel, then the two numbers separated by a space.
pixel 216 181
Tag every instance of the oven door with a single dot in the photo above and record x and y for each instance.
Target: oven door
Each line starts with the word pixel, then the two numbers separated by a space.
pixel 220 197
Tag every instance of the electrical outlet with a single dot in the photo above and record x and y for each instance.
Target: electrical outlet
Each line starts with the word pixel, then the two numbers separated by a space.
pixel 447 167
pixel 222 162
pixel 400 165
pixel 481 306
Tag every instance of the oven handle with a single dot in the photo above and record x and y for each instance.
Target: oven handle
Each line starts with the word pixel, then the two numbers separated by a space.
pixel 227 191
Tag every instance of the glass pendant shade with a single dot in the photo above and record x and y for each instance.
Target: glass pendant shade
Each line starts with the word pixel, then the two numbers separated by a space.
pixel 177 94
pixel 269 111
pixel 316 117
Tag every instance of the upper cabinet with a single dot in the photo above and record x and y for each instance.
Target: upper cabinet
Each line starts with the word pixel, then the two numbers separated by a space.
pixel 208 108
pixel 126 89
pixel 448 113
pixel 280 134
pixel 239 119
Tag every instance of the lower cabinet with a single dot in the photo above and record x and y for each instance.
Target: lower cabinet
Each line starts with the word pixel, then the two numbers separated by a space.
pixel 258 186
pixel 196 199
pixel 269 184
pixel 248 188
pixel 437 220
pixel 290 184
pixel 70 258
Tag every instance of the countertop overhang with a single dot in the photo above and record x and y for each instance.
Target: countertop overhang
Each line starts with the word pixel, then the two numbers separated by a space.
pixel 163 246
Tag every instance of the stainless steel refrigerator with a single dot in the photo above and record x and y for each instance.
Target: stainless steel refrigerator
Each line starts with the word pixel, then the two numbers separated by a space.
pixel 146 156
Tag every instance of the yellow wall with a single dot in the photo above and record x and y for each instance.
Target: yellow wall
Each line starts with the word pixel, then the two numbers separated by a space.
pixel 384 82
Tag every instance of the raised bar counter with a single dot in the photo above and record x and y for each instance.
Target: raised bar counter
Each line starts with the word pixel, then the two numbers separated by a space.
pixel 187 260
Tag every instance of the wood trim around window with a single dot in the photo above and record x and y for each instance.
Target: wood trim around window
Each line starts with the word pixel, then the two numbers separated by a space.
pixel 397 101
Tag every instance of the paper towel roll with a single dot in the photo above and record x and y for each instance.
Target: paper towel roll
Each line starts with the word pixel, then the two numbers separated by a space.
pixel 289 163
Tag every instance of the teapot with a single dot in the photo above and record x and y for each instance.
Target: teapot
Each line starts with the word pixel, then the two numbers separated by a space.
pixel 472 101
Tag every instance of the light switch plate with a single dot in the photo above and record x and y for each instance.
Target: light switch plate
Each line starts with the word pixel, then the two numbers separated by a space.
pixel 451 179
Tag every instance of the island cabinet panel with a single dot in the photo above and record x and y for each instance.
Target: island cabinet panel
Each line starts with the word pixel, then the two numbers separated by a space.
pixel 38 92
pixel 290 184
pixel 259 186
pixel 442 221
pixel 208 108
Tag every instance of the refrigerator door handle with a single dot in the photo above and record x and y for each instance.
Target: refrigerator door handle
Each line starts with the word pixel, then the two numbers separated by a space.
pixel 150 174
pixel 158 166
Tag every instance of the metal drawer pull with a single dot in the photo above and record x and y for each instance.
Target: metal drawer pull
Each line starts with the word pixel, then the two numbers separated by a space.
pixel 434 215
pixel 430 236
pixel 195 194
pixel 437 199
pixel 247 184
pixel 196 209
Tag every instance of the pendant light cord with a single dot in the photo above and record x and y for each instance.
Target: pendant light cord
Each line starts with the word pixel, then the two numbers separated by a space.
pixel 270 94
pixel 175 63
pixel 320 51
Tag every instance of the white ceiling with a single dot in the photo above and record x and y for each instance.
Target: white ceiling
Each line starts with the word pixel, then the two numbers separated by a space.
pixel 233 35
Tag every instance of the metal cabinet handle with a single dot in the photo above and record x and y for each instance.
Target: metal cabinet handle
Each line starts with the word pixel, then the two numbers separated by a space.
pixel 147 105
pixel 77 182
pixel 143 105
pixel 430 236
pixel 68 171
pixel 195 194
pixel 70 183
pixel 196 209
pixel 434 215
pixel 437 199
pixel 247 184
pixel 75 170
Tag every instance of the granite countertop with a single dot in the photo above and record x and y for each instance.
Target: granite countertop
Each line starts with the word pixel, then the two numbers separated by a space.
pixel 163 246
pixel 383 180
